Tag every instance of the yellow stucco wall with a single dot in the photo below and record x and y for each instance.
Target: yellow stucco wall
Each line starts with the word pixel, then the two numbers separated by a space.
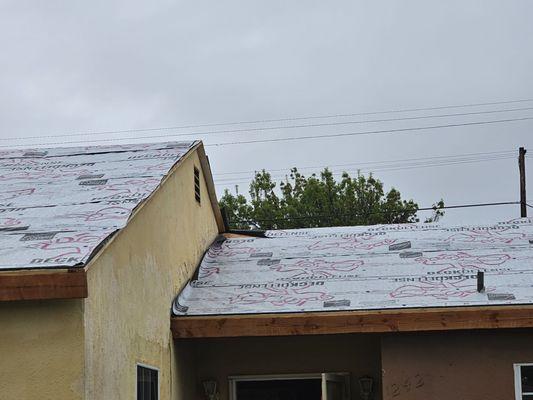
pixel 132 284
pixel 41 350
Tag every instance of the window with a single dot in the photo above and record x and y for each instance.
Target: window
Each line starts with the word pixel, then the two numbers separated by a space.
pixel 197 184
pixel 147 383
pixel 523 378
pixel 294 386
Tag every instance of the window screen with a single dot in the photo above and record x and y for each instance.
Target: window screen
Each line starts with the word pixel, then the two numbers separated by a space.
pixel 524 381
pixel 147 383
pixel 197 184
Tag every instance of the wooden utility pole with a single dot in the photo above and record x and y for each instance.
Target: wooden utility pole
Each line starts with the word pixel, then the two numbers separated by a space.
pixel 522 168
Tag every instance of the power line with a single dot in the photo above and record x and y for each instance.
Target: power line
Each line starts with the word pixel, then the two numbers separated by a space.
pixel 229 181
pixel 411 163
pixel 311 117
pixel 297 137
pixel 282 177
pixel 396 167
pixel 436 164
pixel 451 157
pixel 378 212
pixel 500 203
pixel 375 132
pixel 270 128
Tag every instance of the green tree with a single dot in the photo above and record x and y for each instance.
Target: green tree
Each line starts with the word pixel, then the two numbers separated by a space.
pixel 318 201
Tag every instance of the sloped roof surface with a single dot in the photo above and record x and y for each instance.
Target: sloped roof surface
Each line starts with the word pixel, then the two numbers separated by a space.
pixel 58 205
pixel 363 268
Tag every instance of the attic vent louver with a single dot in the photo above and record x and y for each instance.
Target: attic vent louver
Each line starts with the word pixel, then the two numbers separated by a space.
pixel 197 184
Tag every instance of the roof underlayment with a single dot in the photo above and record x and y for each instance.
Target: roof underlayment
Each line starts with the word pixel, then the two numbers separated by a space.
pixel 364 268
pixel 58 205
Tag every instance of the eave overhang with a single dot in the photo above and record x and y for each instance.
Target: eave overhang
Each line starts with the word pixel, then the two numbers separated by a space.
pixel 373 321
pixel 43 285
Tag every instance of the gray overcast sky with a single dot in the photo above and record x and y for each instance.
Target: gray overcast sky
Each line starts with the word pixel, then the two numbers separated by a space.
pixel 69 66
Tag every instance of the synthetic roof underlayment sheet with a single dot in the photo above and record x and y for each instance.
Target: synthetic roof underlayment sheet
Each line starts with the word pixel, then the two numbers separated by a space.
pixel 363 268
pixel 58 205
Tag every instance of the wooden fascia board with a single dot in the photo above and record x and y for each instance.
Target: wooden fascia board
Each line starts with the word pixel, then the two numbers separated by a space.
pixel 39 285
pixel 407 320
pixel 208 178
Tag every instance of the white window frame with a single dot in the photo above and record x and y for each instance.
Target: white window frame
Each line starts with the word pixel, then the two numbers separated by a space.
pixel 518 380
pixel 137 378
pixel 273 377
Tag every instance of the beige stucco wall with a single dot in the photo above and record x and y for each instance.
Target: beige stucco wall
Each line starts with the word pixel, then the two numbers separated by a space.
pixel 41 350
pixel 218 359
pixel 133 282
pixel 472 365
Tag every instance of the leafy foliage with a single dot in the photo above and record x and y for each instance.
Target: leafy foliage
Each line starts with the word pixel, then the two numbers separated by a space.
pixel 318 201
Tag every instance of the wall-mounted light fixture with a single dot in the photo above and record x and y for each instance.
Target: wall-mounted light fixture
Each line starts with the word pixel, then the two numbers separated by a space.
pixel 210 389
pixel 365 387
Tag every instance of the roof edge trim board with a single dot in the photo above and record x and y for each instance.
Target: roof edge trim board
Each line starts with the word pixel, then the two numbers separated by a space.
pixel 208 178
pixel 381 321
pixel 43 285
pixel 100 246
pixel 249 233
pixel 175 303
